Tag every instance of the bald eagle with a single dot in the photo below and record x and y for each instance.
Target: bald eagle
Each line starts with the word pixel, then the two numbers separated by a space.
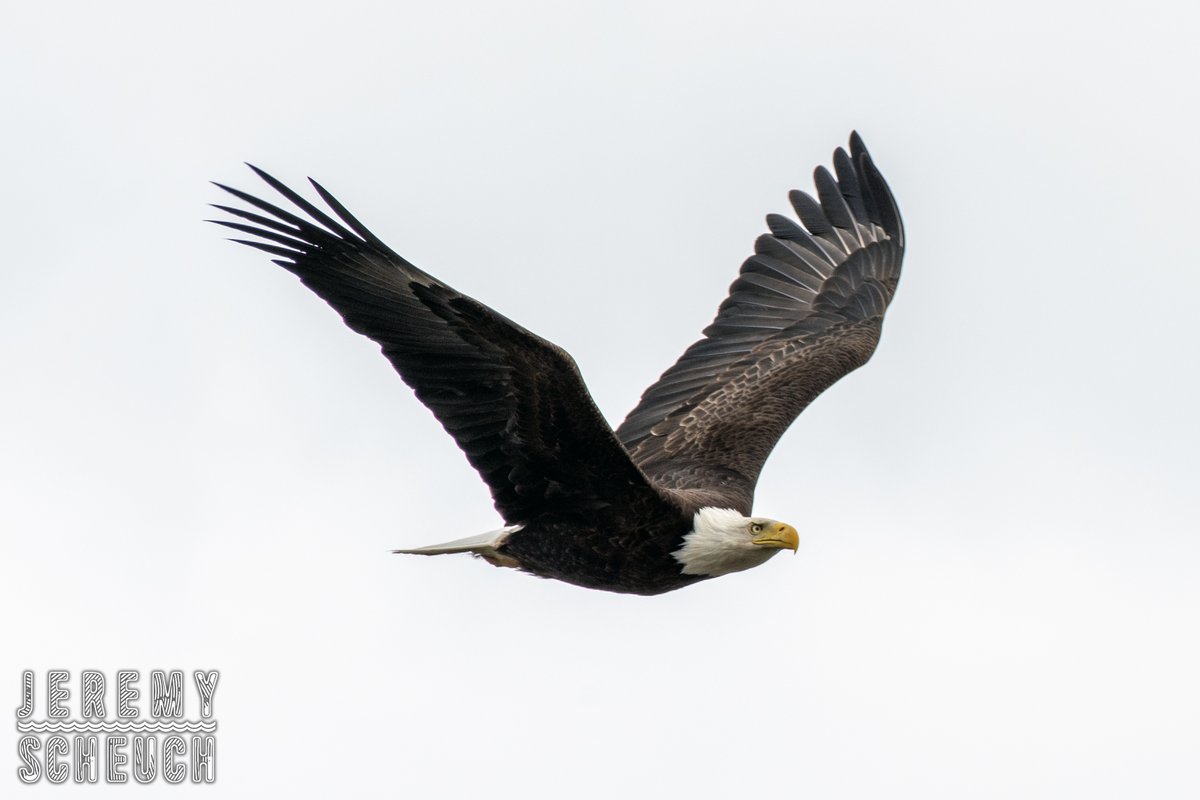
pixel 664 500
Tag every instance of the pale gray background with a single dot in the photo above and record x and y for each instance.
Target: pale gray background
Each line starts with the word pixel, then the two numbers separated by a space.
pixel 996 593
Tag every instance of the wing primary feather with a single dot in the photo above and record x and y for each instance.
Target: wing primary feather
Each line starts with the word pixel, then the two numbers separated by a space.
pixel 810 213
pixel 297 244
pixel 888 211
pixel 836 210
pixel 784 227
pixel 266 222
pixel 848 183
pixel 857 147
pixel 351 220
pixel 832 203
pixel 308 208
pixel 272 249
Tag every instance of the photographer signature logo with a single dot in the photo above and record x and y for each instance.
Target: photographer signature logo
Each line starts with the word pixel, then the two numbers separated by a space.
pixel 94 746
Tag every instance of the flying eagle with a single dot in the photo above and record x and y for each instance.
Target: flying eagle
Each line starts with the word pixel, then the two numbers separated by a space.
pixel 665 500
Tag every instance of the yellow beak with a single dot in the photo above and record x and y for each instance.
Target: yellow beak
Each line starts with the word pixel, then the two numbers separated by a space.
pixel 779 535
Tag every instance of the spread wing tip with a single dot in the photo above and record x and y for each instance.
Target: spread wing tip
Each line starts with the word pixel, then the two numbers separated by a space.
pixel 884 209
pixel 806 279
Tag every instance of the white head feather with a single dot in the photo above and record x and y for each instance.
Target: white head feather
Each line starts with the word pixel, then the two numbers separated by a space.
pixel 721 542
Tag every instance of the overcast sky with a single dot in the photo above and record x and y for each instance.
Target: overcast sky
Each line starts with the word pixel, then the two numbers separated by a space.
pixel 996 593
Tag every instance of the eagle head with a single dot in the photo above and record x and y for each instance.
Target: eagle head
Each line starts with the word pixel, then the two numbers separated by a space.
pixel 723 541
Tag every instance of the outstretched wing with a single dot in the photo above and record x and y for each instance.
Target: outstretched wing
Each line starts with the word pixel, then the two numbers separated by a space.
pixel 805 310
pixel 514 402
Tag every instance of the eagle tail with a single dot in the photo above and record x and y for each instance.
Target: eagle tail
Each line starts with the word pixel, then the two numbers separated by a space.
pixel 483 544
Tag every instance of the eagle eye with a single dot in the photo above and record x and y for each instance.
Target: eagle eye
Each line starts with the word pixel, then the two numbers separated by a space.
pixel 757 527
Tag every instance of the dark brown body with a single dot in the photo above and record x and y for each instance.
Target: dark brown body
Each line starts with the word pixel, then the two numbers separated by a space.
pixel 599 552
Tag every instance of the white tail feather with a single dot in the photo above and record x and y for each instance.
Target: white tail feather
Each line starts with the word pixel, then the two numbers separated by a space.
pixel 483 544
